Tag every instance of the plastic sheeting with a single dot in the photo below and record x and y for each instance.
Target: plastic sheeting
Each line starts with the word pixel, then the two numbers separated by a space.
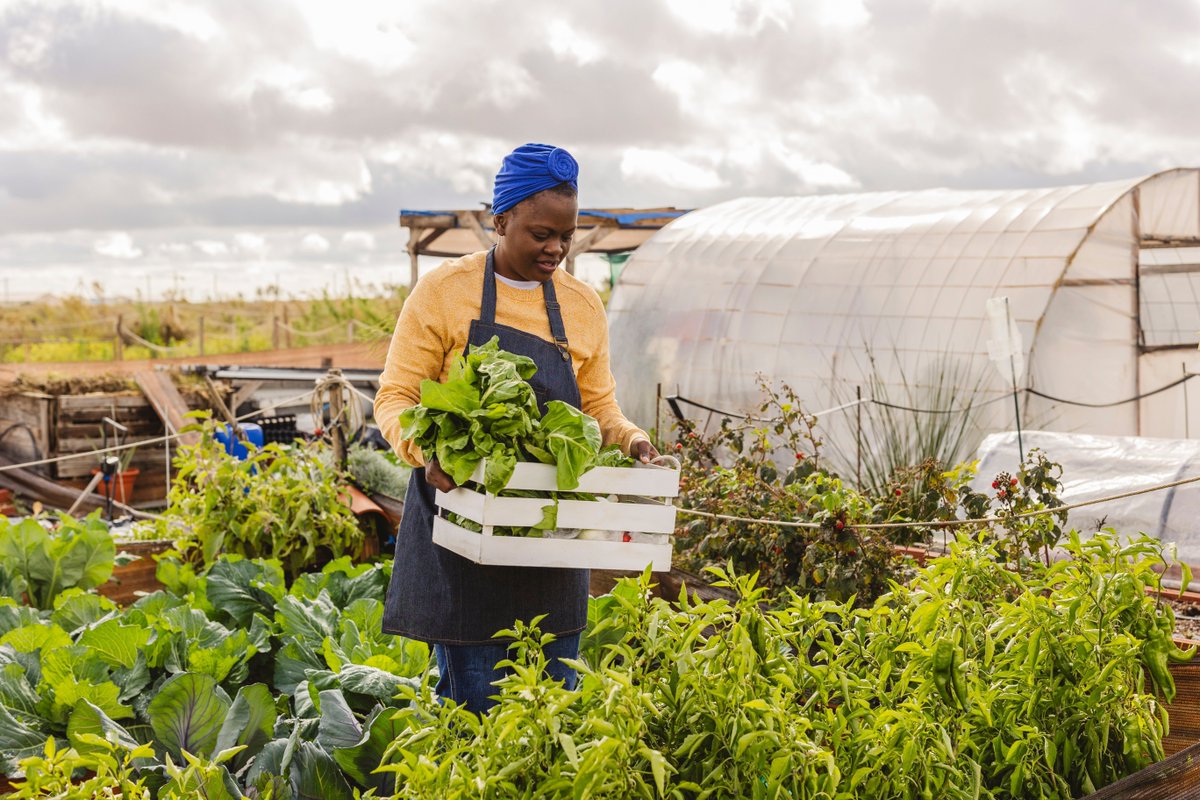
pixel 1104 466
pixel 840 292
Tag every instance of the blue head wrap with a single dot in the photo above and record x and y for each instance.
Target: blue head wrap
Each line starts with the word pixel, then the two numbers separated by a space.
pixel 530 169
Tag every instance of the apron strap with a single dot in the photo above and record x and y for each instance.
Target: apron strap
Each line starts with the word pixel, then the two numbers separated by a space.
pixel 556 324
pixel 487 307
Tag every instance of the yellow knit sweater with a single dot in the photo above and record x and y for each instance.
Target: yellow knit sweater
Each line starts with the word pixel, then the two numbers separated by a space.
pixel 433 328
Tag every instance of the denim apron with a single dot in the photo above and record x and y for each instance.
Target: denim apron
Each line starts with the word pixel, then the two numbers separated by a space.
pixel 439 596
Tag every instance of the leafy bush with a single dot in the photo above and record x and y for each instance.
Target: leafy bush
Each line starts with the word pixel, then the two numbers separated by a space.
pixel 236 678
pixel 375 473
pixel 39 559
pixel 282 502
pixel 971 682
pixel 751 469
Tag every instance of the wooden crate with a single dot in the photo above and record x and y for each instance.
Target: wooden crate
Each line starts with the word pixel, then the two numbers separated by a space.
pixel 69 424
pixel 129 581
pixel 630 532
pixel 33 412
pixel 78 428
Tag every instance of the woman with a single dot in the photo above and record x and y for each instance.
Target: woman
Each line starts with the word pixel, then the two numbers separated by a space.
pixel 515 291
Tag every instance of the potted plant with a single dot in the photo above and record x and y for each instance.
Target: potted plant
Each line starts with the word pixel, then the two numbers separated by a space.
pixel 119 477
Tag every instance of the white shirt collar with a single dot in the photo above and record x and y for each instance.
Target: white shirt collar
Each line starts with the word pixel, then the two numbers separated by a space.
pixel 518 284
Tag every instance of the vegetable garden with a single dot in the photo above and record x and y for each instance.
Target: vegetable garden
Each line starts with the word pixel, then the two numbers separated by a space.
pixel 1025 661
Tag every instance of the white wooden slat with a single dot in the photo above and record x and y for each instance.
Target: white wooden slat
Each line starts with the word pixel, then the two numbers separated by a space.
pixel 647 481
pixel 564 553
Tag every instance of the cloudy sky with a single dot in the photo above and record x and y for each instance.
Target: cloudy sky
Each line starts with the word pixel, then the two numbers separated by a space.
pixel 222 141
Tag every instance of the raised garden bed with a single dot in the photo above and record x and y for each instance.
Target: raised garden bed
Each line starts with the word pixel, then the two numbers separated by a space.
pixel 129 581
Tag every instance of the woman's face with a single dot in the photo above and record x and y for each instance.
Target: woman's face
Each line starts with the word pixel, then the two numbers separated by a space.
pixel 535 236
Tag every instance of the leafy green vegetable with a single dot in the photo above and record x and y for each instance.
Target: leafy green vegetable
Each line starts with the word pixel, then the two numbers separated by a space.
pixel 573 439
pixel 487 411
pixel 42 563
pixel 187 714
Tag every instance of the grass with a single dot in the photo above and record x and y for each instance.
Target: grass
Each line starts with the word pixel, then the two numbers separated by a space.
pixel 893 438
pixel 76 329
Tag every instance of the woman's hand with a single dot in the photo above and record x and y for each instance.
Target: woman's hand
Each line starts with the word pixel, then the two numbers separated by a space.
pixel 641 450
pixel 436 477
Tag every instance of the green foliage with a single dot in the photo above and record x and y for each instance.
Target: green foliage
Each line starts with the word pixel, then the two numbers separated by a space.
pixel 486 409
pixel 755 470
pixel 894 437
pixel 281 503
pixel 972 682
pixel 37 562
pixel 311 674
pixel 375 472
pixel 109 765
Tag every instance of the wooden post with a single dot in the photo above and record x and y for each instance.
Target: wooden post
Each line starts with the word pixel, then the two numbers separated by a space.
pixel 350 332
pixel 287 333
pixel 274 333
pixel 413 259
pixel 118 345
pixel 658 434
pixel 200 335
pixel 585 242
pixel 1187 427
pixel 858 437
pixel 337 431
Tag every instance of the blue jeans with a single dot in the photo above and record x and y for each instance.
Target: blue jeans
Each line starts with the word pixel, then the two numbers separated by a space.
pixel 468 671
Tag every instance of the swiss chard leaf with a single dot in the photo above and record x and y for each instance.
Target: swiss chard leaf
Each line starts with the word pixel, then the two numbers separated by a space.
pixel 573 438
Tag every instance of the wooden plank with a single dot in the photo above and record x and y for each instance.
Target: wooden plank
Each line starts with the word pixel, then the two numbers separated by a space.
pixel 168 403
pixel 106 402
pixel 138 428
pixel 82 444
pixel 585 242
pixel 470 221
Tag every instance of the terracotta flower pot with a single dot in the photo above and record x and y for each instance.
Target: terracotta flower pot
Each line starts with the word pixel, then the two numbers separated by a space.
pixel 120 485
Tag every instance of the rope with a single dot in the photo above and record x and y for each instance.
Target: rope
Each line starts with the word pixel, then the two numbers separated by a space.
pixel 351 412
pixel 965 410
pixel 673 400
pixel 140 442
pixel 1135 398
pixel 950 522
pixel 285 327
pixel 158 348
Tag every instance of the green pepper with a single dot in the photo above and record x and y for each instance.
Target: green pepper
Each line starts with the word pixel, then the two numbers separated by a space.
pixel 942 662
pixel 958 677
pixel 1180 656
pixel 1154 656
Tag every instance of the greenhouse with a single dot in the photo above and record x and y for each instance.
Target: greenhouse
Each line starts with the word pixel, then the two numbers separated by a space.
pixel 886 293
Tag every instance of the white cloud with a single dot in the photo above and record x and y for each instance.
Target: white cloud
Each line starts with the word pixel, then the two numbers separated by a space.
pixel 211 247
pixel 314 243
pixel 189 129
pixel 568 43
pixel 117 244
pixel 660 166
pixel 358 240
pixel 251 244
pixel 741 17
pixel 365 31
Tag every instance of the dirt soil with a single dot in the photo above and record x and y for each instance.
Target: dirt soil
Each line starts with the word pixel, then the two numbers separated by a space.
pixel 1187 619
